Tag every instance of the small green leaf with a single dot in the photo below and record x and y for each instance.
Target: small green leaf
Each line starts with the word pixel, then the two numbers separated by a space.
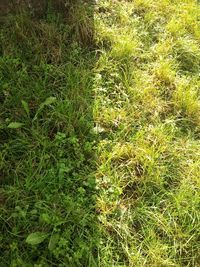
pixel 15 125
pixel 53 241
pixel 26 107
pixel 45 218
pixel 36 238
pixel 50 100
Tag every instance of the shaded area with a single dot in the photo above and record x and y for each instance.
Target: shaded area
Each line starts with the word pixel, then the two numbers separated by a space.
pixel 46 139
pixel 37 8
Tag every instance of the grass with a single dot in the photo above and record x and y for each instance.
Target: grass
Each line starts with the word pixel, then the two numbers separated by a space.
pixel 99 130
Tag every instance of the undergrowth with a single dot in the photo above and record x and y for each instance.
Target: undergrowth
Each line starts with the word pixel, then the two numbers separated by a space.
pixel 99 136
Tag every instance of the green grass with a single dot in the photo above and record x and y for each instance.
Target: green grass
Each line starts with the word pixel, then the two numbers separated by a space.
pixel 100 136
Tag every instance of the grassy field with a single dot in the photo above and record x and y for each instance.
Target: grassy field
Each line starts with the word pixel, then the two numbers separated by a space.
pixel 100 136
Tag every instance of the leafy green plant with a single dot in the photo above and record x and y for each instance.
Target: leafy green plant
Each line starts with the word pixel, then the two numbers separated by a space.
pixel 36 238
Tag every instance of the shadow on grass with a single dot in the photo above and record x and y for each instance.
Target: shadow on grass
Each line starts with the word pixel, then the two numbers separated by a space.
pixel 47 142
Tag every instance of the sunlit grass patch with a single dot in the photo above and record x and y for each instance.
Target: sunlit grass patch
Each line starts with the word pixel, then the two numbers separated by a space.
pixel 150 88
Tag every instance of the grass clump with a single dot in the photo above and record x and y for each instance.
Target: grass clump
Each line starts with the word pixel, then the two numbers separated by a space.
pixel 47 158
pixel 148 110
pixel 99 127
